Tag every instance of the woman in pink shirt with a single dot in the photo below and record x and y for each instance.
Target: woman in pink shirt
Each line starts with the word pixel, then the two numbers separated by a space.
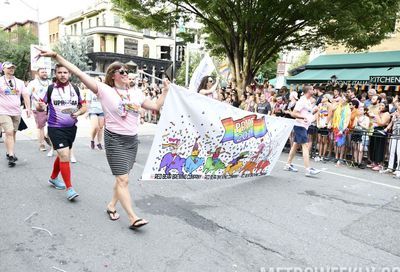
pixel 122 114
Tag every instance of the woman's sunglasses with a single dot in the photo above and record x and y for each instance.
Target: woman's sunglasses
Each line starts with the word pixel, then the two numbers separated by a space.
pixel 121 72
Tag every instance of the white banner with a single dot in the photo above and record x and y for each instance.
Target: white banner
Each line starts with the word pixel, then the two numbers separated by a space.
pixel 205 68
pixel 201 138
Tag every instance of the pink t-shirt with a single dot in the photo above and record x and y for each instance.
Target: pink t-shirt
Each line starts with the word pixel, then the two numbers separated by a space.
pixel 305 108
pixel 10 96
pixel 121 108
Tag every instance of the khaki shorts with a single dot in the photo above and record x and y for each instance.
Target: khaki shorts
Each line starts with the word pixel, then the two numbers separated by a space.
pixel 10 123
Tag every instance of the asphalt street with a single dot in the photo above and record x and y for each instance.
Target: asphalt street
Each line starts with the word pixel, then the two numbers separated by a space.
pixel 343 217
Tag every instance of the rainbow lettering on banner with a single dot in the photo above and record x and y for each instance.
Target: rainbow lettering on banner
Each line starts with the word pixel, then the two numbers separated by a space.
pixel 243 129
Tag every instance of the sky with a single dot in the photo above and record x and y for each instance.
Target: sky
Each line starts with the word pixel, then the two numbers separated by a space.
pixel 17 11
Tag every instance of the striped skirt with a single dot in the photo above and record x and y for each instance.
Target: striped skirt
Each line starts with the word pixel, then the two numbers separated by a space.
pixel 121 152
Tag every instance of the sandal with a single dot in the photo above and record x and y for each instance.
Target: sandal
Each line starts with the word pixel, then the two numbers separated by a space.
pixel 112 215
pixel 136 226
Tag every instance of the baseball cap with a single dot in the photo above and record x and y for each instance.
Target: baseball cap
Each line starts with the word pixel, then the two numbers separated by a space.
pixel 8 64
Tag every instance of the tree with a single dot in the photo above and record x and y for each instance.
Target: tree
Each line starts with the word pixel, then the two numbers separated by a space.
pixel 251 32
pixel 300 60
pixel 15 47
pixel 75 52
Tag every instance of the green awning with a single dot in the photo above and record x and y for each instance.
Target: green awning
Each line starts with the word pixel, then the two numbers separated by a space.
pixel 272 81
pixel 349 76
pixel 357 60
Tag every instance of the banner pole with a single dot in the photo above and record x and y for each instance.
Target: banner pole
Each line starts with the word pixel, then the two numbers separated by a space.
pixel 150 75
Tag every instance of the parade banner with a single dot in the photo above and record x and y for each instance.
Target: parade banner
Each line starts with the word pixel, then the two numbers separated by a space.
pixel 205 68
pixel 202 138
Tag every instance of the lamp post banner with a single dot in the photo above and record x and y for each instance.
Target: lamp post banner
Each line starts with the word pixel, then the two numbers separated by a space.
pixel 201 138
pixel 385 80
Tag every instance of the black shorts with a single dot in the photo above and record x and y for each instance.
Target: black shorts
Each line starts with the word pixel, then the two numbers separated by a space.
pixel 312 130
pixel 323 131
pixel 62 137
pixel 356 136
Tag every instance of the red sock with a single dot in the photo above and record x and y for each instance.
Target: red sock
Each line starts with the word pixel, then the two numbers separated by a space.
pixel 66 173
pixel 56 168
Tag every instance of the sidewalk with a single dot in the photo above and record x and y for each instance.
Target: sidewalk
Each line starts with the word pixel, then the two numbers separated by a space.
pixel 83 129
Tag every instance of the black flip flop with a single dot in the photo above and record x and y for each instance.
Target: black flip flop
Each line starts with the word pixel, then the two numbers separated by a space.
pixel 112 213
pixel 136 226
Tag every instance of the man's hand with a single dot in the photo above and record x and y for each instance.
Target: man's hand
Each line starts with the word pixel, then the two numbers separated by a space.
pixel 76 114
pixel 41 106
pixel 45 53
pixel 29 113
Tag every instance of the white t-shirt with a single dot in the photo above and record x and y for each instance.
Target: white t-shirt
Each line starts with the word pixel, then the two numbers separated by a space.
pixel 121 108
pixel 94 103
pixel 304 106
pixel 37 90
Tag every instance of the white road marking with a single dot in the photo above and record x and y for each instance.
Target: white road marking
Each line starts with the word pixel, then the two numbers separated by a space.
pixel 350 177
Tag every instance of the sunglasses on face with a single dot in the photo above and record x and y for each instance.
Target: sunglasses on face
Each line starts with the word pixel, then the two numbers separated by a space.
pixel 121 72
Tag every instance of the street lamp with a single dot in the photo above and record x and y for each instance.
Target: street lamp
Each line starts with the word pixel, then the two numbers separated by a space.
pixel 7 2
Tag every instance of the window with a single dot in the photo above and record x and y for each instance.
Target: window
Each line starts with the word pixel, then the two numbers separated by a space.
pixel 131 47
pixel 90 23
pixel 117 21
pixel 115 44
pixel 102 44
pixel 90 44
pixel 82 27
pixel 146 51
pixel 165 53
pixel 97 21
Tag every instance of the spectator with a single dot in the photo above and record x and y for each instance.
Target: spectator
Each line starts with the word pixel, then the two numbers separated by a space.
pixel 251 104
pixel 320 93
pixel 340 122
pixel 263 107
pixel 323 122
pixel 358 136
pixel 208 87
pixel 394 144
pixel 378 140
pixel 371 93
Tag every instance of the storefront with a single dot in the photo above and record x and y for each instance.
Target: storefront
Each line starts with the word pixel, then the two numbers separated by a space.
pixel 379 70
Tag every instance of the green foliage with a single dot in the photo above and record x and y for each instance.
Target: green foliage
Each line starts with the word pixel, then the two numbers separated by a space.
pixel 195 59
pixel 268 69
pixel 75 52
pixel 301 60
pixel 15 47
pixel 251 33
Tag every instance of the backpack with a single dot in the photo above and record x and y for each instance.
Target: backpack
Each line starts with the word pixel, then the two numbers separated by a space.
pixel 50 91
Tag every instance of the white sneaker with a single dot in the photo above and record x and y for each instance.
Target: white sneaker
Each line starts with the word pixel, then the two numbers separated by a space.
pixel 73 160
pixel 290 168
pixel 312 172
pixel 50 154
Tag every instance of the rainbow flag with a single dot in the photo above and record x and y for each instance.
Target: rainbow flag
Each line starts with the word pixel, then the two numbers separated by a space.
pixel 224 70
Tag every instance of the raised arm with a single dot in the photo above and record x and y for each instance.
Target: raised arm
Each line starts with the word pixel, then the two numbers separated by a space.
pixel 83 77
pixel 151 105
